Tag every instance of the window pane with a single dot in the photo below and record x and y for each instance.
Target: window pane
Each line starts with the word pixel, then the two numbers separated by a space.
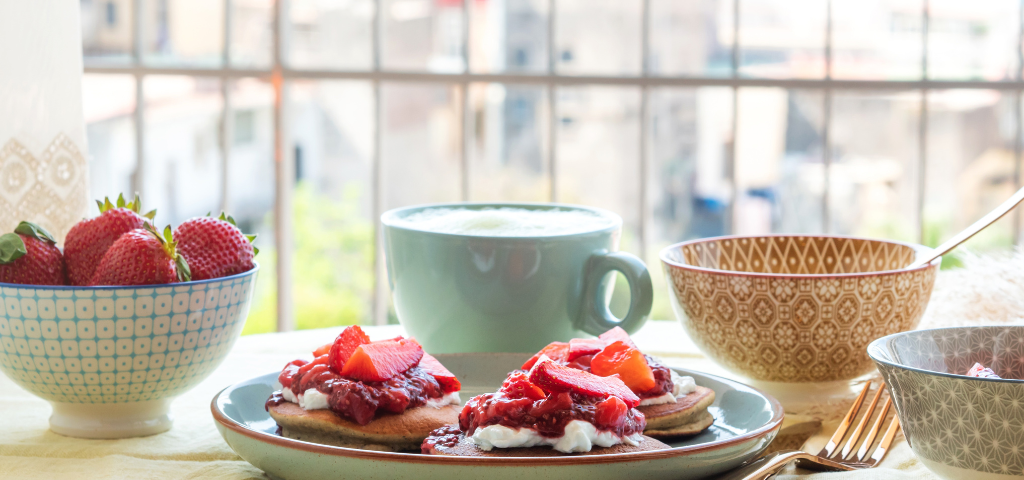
pixel 182 172
pixel 780 175
pixel 330 35
pixel 873 179
pixel 970 164
pixel 420 152
pixel 598 158
pixel 598 37
pixel 508 150
pixel 877 39
pixel 973 40
pixel 691 38
pixel 252 35
pixel 107 29
pixel 108 105
pixel 782 39
pixel 689 193
pixel 423 35
pixel 183 32
pixel 509 36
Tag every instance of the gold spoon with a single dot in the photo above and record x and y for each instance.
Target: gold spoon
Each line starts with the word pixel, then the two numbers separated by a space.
pixel 970 231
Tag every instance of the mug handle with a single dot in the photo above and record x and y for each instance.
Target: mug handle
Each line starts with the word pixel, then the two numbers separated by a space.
pixel 596 318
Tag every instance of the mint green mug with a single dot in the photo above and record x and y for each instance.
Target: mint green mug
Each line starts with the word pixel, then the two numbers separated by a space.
pixel 481 292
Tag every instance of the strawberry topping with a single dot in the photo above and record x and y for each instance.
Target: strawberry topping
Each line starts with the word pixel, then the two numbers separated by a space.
pixel 343 346
pixel 444 377
pixel 579 347
pixel 518 385
pixel 981 371
pixel 557 351
pixel 610 412
pixel 289 372
pixel 379 361
pixel 616 334
pixel 626 361
pixel 554 378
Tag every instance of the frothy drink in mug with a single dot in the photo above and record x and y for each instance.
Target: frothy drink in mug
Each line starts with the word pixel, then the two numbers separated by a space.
pixel 507 277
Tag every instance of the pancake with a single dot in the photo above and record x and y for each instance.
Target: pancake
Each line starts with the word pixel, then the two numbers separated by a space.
pixel 387 432
pixel 701 421
pixel 682 416
pixel 465 448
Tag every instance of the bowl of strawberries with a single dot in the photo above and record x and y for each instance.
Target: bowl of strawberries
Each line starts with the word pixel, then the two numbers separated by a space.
pixel 112 325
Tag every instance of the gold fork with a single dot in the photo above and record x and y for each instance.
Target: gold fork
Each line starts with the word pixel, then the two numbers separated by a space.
pixel 831 457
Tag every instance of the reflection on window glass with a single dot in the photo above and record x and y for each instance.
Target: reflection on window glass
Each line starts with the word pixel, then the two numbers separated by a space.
pixel 780 176
pixel 189 32
pixel 691 38
pixel 423 35
pixel 970 164
pixel 877 39
pixel 508 149
pixel 782 39
pixel 509 36
pixel 973 40
pixel 252 34
pixel 330 35
pixel 107 29
pixel 598 37
pixel 108 105
pixel 873 179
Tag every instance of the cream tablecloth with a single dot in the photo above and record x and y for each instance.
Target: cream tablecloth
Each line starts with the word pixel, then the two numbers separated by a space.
pixel 194 449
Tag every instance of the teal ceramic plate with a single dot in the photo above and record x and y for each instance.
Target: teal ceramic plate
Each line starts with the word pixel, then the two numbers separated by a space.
pixel 746 421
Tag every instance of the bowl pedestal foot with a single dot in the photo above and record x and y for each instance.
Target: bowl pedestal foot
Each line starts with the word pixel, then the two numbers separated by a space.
pixel 111 420
pixel 811 397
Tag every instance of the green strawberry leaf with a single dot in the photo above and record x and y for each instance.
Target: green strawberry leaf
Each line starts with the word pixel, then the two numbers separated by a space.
pixel 12 247
pixel 120 200
pixel 184 273
pixel 35 231
pixel 150 214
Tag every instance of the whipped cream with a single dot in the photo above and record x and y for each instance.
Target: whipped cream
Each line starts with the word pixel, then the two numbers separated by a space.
pixel 681 387
pixel 579 436
pixel 313 399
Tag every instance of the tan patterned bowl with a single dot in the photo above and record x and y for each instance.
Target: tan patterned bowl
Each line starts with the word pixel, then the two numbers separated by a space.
pixel 787 308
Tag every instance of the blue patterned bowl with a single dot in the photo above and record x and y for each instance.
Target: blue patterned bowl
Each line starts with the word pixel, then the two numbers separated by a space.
pixel 959 427
pixel 111 359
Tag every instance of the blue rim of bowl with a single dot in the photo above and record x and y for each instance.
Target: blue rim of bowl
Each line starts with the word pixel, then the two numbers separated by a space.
pixel 663 256
pixel 251 271
pixel 388 218
pixel 774 424
pixel 879 342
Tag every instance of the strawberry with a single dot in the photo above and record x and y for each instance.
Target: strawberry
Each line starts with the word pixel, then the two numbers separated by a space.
pixel 88 241
pixel 323 349
pixel 379 361
pixel 321 360
pixel 981 371
pixel 557 351
pixel 444 377
pixel 616 334
pixel 579 347
pixel 610 413
pixel 343 346
pixel 518 385
pixel 215 247
pixel 29 256
pixel 289 372
pixel 142 257
pixel 553 377
pixel 627 362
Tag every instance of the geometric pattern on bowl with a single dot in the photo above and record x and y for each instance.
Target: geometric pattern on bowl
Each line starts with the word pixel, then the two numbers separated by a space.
pixel 119 344
pixel 962 422
pixel 739 302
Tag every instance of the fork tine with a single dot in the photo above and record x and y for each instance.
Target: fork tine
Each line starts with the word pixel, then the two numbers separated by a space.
pixel 883 446
pixel 844 425
pixel 874 431
pixel 857 432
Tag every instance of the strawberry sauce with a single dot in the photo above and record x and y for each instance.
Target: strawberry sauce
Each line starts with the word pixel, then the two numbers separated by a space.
pixel 662 375
pixel 550 415
pixel 357 400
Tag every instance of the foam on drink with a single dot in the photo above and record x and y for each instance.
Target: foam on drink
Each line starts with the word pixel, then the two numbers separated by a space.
pixel 505 221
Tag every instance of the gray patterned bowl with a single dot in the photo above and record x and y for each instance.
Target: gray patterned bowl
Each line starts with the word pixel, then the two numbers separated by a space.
pixel 110 359
pixel 959 427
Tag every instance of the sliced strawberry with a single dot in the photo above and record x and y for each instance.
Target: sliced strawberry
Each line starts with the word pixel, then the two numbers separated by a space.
pixel 557 351
pixel 323 349
pixel 628 362
pixel 555 402
pixel 616 334
pixel 289 372
pixel 379 361
pixel 348 340
pixel 321 360
pixel 579 347
pixel 444 377
pixel 981 371
pixel 610 413
pixel 553 378
pixel 518 385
